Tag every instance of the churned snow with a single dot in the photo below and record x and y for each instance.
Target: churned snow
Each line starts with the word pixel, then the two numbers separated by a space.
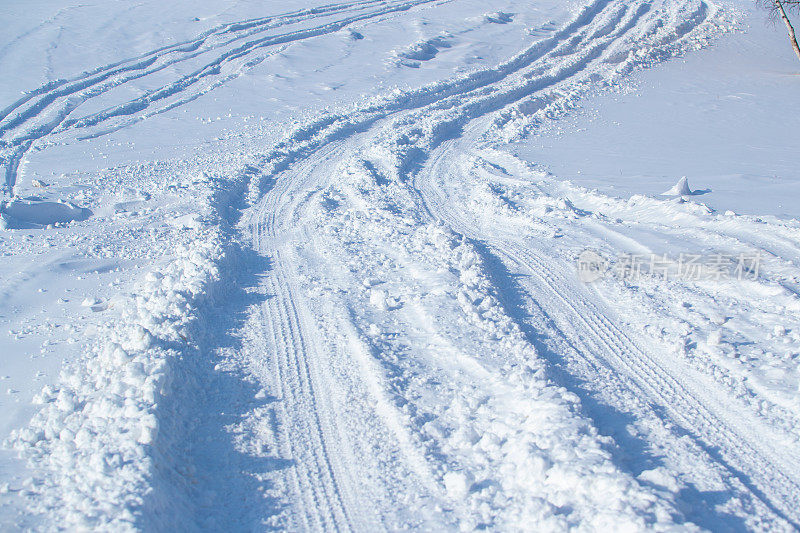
pixel 315 266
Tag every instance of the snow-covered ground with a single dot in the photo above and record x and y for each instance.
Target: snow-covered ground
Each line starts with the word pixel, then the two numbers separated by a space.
pixel 722 117
pixel 315 266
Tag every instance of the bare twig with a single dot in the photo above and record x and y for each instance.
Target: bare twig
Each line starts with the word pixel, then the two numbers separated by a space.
pixel 781 8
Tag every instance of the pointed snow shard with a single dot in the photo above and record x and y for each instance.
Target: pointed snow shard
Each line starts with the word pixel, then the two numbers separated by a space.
pixel 679 189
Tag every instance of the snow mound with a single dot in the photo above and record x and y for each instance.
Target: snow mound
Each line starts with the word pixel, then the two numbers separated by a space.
pixel 500 17
pixel 20 213
pixel 423 50
pixel 679 189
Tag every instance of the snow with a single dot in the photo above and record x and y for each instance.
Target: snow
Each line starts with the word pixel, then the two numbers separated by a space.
pixel 679 189
pixel 398 265
pixel 716 116
pixel 18 213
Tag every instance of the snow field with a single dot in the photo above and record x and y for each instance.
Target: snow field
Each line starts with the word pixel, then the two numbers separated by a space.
pixel 399 341
pixel 767 301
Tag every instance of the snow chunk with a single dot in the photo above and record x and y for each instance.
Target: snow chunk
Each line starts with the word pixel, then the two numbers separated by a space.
pixel 189 221
pixel 370 282
pixel 661 477
pixel 499 17
pixel 715 338
pixel 43 213
pixel 457 485
pixel 380 299
pixel 679 189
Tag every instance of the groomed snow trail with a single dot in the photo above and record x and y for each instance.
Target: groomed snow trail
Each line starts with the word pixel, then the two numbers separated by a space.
pixel 407 345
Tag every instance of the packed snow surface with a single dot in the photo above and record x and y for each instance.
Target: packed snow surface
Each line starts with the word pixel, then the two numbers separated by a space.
pixel 398 265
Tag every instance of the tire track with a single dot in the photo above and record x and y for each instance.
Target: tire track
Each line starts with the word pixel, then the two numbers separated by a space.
pixel 574 53
pixel 764 470
pixel 47 111
pixel 743 452
pixel 443 95
pixel 162 57
pixel 322 475
pixel 303 436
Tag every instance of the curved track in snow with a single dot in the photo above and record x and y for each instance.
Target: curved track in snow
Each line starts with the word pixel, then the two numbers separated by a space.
pixel 732 439
pixel 213 58
pixel 430 357
pixel 429 154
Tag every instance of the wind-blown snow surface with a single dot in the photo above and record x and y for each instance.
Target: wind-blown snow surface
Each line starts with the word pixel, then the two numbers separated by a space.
pixel 277 268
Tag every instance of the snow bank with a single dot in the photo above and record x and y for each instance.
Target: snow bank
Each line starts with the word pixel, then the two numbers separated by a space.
pixel 97 438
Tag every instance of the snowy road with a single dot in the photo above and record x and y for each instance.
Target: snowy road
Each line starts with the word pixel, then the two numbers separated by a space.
pixel 369 317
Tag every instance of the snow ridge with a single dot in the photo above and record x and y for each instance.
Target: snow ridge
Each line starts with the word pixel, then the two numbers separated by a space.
pixel 99 439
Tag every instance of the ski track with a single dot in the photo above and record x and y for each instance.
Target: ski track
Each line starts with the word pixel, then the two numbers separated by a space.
pixel 419 147
pixel 47 111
